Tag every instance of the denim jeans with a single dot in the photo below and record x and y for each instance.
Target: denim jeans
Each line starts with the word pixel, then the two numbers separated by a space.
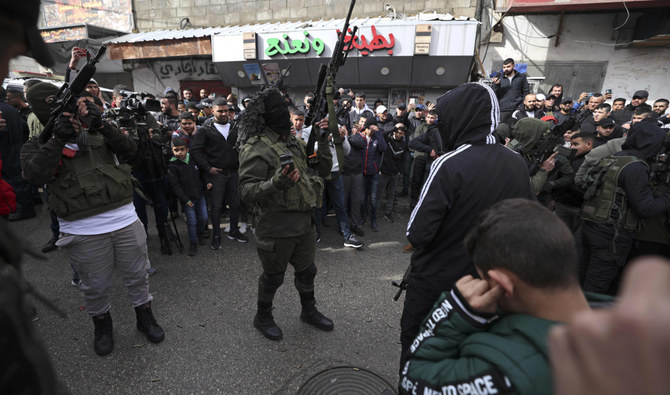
pixel 370 185
pixel 196 219
pixel 334 189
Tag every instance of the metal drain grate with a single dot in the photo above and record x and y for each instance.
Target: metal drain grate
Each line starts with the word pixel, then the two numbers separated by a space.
pixel 345 379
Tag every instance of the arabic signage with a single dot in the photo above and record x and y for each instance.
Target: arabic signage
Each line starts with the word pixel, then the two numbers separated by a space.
pixel 285 46
pixel 111 14
pixel 186 69
pixel 367 45
pixel 444 38
pixel 364 44
pixel 65 34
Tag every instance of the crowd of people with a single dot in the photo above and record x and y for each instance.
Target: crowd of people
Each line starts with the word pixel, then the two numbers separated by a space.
pixel 520 202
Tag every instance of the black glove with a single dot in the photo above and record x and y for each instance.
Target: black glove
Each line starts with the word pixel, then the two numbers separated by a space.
pixel 282 182
pixel 64 129
pixel 94 118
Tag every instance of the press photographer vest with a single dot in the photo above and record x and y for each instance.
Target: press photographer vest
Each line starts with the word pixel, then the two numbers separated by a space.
pixel 604 196
pixel 89 183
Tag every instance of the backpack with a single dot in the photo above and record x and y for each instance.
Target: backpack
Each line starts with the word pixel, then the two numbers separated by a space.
pixel 604 197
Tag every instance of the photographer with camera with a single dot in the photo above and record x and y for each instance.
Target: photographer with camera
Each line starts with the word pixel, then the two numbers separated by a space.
pixel 91 194
pixel 132 116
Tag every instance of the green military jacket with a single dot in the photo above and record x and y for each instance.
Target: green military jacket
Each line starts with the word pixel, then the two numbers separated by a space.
pixel 280 213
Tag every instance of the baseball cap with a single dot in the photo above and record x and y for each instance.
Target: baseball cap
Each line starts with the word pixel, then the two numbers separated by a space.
pixel 606 122
pixel 566 100
pixel 420 107
pixel 641 94
pixel 26 13
pixel 381 109
pixel 168 90
pixel 402 106
pixel 540 96
pixel 549 118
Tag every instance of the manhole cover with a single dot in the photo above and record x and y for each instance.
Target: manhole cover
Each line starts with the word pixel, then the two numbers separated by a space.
pixel 345 379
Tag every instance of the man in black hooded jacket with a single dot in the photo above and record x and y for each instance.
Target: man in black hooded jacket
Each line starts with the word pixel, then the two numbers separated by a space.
pixel 607 241
pixel 475 173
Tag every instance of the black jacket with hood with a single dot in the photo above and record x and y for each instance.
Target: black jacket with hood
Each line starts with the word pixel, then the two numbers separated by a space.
pixel 475 173
pixel 210 149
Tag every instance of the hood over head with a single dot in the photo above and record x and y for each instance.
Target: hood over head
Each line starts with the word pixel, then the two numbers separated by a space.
pixel 267 109
pixel 35 97
pixel 528 131
pixel 467 114
pixel 276 113
pixel 644 139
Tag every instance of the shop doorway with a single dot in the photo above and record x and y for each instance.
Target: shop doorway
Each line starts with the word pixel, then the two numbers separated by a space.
pixel 217 87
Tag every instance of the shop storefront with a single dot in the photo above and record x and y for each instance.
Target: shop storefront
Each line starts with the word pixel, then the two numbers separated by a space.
pixel 389 59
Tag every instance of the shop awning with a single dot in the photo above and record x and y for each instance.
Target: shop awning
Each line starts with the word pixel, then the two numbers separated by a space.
pixel 421 51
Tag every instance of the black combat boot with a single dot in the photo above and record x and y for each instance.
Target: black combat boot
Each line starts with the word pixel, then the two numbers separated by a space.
pixel 104 338
pixel 311 315
pixel 146 323
pixel 265 323
pixel 165 241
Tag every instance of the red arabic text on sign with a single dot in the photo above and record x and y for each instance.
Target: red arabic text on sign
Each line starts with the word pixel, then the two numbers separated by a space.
pixel 366 46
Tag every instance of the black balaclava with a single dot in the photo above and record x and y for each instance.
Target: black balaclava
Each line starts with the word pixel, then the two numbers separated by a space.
pixel 36 95
pixel 276 114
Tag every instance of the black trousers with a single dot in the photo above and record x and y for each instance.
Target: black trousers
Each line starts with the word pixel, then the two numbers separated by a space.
pixel 605 253
pixel 416 182
pixel 224 185
pixel 417 306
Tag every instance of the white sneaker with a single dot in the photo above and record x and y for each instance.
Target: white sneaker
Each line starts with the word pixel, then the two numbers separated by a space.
pixel 243 228
pixel 227 229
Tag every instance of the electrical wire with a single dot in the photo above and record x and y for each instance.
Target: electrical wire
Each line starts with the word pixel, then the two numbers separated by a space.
pixel 627 16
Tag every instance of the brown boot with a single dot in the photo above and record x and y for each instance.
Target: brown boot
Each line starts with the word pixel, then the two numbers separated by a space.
pixel 408 248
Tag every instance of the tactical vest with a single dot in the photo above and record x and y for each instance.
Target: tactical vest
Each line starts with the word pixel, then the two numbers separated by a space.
pixel 90 183
pixel 307 193
pixel 602 195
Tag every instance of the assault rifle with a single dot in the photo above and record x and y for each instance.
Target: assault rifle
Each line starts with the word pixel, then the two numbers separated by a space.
pixel 550 143
pixel 322 102
pixel 69 93
pixel 402 285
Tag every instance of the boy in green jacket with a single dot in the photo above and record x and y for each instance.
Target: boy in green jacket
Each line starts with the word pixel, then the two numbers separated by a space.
pixel 489 335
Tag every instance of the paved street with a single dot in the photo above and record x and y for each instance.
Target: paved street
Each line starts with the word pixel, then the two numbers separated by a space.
pixel 206 305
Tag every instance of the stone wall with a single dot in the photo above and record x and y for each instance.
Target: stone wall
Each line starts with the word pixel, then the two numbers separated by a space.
pixel 167 14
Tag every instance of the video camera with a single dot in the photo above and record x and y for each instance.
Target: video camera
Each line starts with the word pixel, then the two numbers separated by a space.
pixel 139 102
